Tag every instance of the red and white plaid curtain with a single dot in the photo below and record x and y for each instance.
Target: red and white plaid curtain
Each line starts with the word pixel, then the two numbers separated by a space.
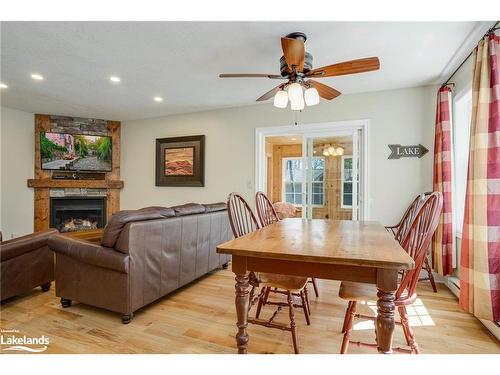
pixel 442 242
pixel 480 260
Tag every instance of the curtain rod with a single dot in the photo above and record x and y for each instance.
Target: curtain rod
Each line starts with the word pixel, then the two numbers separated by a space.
pixel 493 28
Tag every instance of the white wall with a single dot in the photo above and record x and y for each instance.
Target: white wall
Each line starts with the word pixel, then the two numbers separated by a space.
pixel 399 116
pixel 17 149
pixel 403 116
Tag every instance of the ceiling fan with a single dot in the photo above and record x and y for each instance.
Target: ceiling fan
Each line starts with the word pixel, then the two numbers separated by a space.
pixel 296 68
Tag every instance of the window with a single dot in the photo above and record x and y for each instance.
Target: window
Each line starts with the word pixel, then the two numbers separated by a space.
pixel 292 180
pixel 293 177
pixel 318 175
pixel 346 182
pixel 461 133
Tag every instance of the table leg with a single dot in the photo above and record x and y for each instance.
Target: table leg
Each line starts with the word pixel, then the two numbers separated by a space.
pixel 386 286
pixel 242 303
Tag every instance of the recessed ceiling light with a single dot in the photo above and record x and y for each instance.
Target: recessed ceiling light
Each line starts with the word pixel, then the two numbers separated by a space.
pixel 114 79
pixel 294 139
pixel 3 86
pixel 37 77
pixel 158 99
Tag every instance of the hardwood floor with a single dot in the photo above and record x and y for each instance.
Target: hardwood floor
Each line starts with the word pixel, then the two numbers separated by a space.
pixel 200 318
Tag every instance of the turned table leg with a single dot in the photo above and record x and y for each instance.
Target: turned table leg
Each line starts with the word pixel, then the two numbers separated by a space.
pixel 242 303
pixel 386 286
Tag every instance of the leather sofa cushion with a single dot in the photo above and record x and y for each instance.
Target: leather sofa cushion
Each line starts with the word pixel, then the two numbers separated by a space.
pixel 118 221
pixel 213 207
pixel 90 253
pixel 22 245
pixel 189 209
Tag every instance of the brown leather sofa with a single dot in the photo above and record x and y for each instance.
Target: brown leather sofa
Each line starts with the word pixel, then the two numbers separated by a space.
pixel 143 255
pixel 25 263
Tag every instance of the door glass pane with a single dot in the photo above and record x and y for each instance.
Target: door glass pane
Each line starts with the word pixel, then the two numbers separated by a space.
pixel 347 199
pixel 327 180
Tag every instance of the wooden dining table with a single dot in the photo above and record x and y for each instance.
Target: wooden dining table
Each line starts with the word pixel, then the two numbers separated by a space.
pixel 360 251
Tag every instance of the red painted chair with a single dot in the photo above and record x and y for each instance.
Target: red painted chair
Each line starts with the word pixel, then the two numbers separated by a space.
pixel 416 243
pixel 267 216
pixel 400 230
pixel 243 221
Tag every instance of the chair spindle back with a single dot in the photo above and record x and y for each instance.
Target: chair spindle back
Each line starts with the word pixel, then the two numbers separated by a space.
pixel 265 210
pixel 241 216
pixel 410 213
pixel 417 241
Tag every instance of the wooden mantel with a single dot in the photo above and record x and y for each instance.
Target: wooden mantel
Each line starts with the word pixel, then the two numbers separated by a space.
pixel 88 184
pixel 43 181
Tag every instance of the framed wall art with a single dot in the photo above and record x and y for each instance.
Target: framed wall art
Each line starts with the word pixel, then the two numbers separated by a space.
pixel 180 161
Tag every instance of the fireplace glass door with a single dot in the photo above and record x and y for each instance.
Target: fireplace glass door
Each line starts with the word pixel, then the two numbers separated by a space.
pixel 70 214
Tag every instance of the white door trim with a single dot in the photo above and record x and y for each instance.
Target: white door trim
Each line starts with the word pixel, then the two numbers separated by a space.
pixel 312 130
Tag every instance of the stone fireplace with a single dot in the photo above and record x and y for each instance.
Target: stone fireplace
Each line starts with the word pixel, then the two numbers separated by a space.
pixel 81 200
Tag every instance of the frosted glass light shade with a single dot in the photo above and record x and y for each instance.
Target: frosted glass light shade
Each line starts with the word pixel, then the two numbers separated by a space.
pixel 325 152
pixel 281 99
pixel 311 96
pixel 340 151
pixel 295 92
pixel 331 151
pixel 297 105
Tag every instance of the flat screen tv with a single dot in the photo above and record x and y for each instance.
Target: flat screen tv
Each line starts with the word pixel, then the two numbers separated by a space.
pixel 75 152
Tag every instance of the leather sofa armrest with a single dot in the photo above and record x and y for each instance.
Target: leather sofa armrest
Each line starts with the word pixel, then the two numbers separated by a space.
pixel 90 253
pixel 25 244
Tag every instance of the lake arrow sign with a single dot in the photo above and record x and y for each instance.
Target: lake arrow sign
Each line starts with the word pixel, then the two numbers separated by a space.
pixel 414 151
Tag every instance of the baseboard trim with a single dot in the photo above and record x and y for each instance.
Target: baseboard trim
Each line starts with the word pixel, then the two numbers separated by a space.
pixel 492 327
pixel 453 284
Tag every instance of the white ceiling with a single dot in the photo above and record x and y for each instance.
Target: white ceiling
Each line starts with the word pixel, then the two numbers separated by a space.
pixel 180 61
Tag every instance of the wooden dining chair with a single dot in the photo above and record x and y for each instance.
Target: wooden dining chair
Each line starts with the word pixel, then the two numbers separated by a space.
pixel 400 230
pixel 267 216
pixel 415 243
pixel 243 221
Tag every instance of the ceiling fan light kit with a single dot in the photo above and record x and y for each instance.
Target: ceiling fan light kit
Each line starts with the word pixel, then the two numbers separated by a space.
pixel 296 67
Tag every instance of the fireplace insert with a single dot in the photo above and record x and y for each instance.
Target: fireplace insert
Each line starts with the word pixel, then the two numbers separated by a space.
pixel 71 214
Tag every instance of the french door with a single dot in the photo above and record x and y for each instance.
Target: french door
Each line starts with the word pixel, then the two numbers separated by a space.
pixel 331 177
pixel 324 175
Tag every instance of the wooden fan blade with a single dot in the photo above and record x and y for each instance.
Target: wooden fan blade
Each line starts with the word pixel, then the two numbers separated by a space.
pixel 347 67
pixel 251 75
pixel 326 92
pixel 270 93
pixel 294 52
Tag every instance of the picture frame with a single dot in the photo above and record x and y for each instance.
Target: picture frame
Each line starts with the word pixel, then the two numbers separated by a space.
pixel 180 161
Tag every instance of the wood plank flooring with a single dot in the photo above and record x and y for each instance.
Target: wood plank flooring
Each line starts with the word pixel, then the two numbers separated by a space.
pixel 200 318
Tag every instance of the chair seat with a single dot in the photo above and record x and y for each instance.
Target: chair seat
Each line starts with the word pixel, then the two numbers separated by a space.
pixel 352 291
pixel 274 280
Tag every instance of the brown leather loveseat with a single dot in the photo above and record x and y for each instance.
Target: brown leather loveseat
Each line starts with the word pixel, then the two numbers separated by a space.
pixel 25 263
pixel 143 255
